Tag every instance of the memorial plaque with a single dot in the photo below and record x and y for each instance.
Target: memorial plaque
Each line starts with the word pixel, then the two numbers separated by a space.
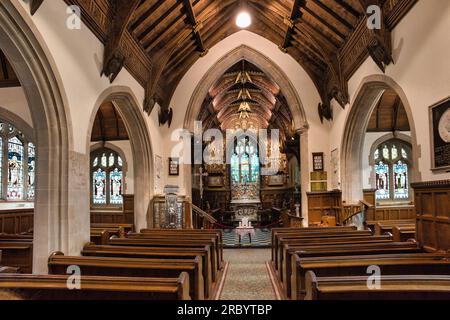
pixel 440 135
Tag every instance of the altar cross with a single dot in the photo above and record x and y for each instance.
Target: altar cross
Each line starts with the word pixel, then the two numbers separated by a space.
pixel 201 174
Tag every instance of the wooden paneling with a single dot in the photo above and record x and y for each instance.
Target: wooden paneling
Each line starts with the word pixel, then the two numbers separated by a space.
pixel 324 203
pixel 124 215
pixel 16 221
pixel 433 214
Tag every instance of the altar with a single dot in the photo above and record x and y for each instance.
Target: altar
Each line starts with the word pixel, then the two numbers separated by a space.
pixel 245 209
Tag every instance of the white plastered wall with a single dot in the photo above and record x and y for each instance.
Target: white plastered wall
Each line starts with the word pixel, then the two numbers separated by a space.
pixel 14 100
pixel 421 42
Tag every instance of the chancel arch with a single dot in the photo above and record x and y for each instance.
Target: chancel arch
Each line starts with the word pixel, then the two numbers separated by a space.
pixel 365 117
pixel 129 124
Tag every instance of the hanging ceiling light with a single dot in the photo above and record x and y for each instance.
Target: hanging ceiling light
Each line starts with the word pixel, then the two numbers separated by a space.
pixel 243 20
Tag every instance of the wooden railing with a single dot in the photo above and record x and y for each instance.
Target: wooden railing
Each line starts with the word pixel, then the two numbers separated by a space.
pixel 201 219
pixel 349 212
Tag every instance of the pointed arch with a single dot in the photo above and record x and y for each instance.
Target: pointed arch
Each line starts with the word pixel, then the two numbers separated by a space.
pixel 370 91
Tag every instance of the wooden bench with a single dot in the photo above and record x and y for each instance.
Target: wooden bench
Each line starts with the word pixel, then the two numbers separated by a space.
pixel 357 265
pixel 186 234
pixel 180 240
pixel 307 233
pixel 327 238
pixel 17 255
pixel 398 287
pixel 54 287
pixel 403 233
pixel 341 250
pixel 370 224
pixel 101 236
pixel 128 267
pixel 127 227
pixel 92 250
pixel 382 228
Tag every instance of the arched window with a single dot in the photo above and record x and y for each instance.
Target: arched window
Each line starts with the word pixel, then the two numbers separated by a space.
pixel 17 165
pixel 107 178
pixel 392 166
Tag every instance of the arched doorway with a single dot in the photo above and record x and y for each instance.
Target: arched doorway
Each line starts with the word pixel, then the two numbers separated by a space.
pixel 35 70
pixel 128 108
pixel 367 98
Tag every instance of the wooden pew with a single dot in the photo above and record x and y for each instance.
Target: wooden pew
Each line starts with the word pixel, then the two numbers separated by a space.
pixel 278 231
pixel 403 233
pixel 382 228
pixel 187 234
pixel 170 243
pixel 292 243
pixel 341 250
pixel 207 239
pixel 282 239
pixel 370 224
pixel 128 267
pixel 101 236
pixel 398 287
pixel 357 265
pixel 17 255
pixel 127 227
pixel 54 287
pixel 194 232
pixel 92 250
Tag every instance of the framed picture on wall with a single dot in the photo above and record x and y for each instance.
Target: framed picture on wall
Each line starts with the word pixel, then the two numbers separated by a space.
pixel 174 166
pixel 440 135
pixel 318 161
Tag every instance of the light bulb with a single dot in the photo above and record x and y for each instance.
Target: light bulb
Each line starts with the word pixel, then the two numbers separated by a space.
pixel 243 20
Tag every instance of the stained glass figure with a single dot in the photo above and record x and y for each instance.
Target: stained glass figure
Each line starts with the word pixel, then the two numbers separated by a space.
pixel 31 171
pixel 394 152
pixel 401 190
pixel 404 154
pixel 386 153
pixel 99 187
pixel 377 154
pixel 382 181
pixel 112 159
pixel 95 163
pixel 15 169
pixel 104 160
pixel 116 187
pixel 235 174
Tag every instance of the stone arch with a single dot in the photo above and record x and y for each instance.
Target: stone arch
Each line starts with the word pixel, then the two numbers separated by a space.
pixel 370 91
pixel 129 109
pixel 263 63
pixel 287 88
pixel 31 60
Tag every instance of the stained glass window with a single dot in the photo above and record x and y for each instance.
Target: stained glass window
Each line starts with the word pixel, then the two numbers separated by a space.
pixel 17 165
pixel 15 169
pixel 382 181
pixel 99 186
pixel 235 174
pixel 386 152
pixel 392 172
pixel 401 190
pixel 31 171
pixel 116 187
pixel 107 178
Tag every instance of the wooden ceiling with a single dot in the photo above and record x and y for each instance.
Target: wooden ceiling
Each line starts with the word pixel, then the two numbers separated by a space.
pixel 8 77
pixel 389 115
pixel 269 108
pixel 159 40
pixel 108 125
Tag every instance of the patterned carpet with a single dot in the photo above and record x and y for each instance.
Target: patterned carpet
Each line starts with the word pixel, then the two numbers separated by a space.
pixel 261 240
pixel 247 277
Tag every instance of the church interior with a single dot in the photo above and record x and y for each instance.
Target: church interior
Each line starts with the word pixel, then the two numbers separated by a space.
pixel 224 150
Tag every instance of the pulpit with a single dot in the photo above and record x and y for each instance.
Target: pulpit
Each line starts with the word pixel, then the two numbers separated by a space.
pixel 171 212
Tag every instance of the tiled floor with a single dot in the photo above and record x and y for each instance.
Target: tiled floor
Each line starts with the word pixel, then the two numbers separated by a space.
pixel 247 278
pixel 262 239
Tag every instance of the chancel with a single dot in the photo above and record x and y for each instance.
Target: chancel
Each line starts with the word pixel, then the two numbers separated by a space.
pixel 224 150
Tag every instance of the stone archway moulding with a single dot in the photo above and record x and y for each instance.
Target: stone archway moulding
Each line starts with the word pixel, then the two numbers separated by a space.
pixel 367 96
pixel 127 106
pixel 262 62
pixel 281 79
pixel 32 62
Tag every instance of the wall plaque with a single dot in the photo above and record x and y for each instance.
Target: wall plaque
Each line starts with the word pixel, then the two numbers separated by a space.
pixel 440 135
pixel 318 161
pixel 174 166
